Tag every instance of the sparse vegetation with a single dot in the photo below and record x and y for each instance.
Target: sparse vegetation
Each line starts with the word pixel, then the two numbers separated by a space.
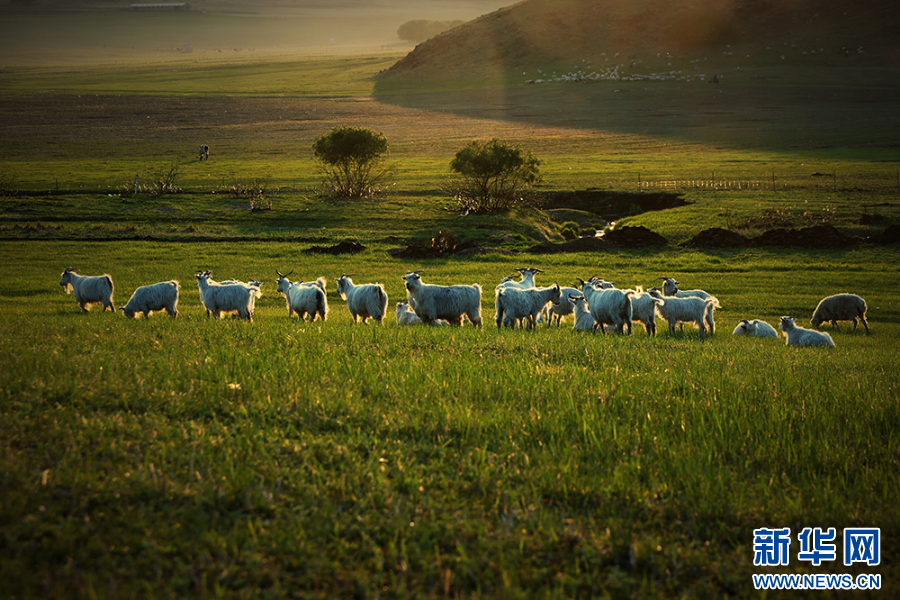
pixel 158 179
pixel 256 191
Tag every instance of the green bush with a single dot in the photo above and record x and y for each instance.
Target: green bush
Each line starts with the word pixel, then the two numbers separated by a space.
pixel 495 177
pixel 570 230
pixel 352 161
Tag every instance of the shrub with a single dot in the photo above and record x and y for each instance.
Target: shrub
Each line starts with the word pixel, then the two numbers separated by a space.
pixel 570 230
pixel 157 180
pixel 495 177
pixel 352 161
pixel 256 191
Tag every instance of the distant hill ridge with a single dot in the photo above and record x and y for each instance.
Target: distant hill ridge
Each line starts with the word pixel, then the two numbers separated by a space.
pixel 536 34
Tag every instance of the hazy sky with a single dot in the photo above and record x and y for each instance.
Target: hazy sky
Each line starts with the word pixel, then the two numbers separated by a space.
pixel 67 31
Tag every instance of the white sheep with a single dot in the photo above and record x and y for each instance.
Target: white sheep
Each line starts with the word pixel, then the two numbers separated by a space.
pixel 88 289
pixel 514 304
pixel 526 282
pixel 255 292
pixel 643 309
pixel 583 319
pixel 755 328
pixel 608 306
pixel 798 336
pixel 556 312
pixel 407 316
pixel 840 307
pixel 670 288
pixel 153 298
pixel 221 298
pixel 363 301
pixel 694 310
pixel 303 298
pixel 432 302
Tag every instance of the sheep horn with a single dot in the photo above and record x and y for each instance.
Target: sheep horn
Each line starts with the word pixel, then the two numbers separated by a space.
pixel 418 271
pixel 745 321
pixel 280 274
pixel 580 280
pixel 537 270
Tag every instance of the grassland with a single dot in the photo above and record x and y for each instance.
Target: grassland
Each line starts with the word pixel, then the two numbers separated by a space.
pixel 162 458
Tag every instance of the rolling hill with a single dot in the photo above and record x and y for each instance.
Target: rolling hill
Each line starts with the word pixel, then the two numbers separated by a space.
pixel 648 34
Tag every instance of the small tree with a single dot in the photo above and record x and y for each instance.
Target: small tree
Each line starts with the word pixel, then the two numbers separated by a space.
pixel 495 176
pixel 352 160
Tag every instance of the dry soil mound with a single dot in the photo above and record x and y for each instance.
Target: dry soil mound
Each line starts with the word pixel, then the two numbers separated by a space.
pixel 818 237
pixel 716 237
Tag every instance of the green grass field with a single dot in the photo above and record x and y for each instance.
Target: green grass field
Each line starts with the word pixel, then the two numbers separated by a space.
pixel 201 458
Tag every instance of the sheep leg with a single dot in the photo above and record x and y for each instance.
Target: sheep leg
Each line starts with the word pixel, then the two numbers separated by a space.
pixel 834 322
pixel 865 324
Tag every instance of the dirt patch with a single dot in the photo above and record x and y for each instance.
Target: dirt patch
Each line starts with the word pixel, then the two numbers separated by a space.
pixel 420 250
pixel 716 237
pixel 346 247
pixel 891 235
pixel 818 237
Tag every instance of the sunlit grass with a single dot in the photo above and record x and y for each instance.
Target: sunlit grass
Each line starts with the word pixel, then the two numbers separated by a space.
pixel 335 458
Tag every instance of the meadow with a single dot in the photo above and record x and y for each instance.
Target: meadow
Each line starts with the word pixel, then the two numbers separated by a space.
pixel 192 457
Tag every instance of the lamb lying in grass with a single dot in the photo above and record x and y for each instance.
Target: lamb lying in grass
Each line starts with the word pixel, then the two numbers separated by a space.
pixel 755 328
pixel 798 336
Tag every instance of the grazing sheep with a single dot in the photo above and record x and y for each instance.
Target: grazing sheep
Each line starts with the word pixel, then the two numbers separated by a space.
pixel 694 310
pixel 798 336
pixel 204 152
pixel 432 302
pixel 221 298
pixel 840 307
pixel 367 300
pixel 583 319
pixel 303 298
pixel 514 304
pixel 755 328
pixel 608 306
pixel 153 298
pixel 89 290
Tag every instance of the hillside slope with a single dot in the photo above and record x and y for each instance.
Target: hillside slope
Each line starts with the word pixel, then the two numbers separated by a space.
pixel 536 34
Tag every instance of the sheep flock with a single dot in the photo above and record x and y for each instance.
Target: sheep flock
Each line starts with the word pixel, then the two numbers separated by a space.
pixel 596 304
